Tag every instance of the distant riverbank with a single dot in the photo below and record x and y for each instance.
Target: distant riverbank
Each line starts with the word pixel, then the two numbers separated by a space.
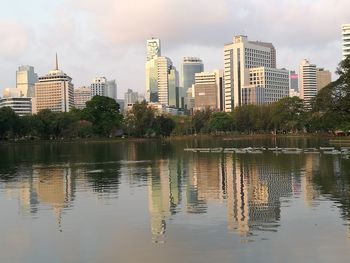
pixel 224 137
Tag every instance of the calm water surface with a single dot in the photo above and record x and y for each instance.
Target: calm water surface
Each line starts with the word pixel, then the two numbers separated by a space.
pixel 154 202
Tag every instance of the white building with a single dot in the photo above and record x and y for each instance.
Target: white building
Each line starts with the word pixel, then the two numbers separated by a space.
pixel 81 96
pixel 21 105
pixel 238 56
pixel 54 91
pixel 267 84
pixel 100 86
pixel 346 40
pixel 307 81
pixel 25 81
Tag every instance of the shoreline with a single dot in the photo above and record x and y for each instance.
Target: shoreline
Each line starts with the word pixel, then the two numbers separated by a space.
pixel 225 137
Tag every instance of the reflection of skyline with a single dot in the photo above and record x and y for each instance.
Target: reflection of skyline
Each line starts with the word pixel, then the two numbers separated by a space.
pixel 251 187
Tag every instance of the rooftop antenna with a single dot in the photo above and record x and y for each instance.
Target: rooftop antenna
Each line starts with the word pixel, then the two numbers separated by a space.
pixel 56 62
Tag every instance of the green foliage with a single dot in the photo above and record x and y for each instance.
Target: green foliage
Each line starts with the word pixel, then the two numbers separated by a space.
pixel 220 121
pixel 200 120
pixel 140 120
pixel 103 113
pixel 8 122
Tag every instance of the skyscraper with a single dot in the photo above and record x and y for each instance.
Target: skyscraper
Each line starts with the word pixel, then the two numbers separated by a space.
pixel 239 55
pixel 81 96
pixel 54 91
pixel 153 48
pixel 100 86
pixel 307 81
pixel 346 40
pixel 25 80
pixel 324 77
pixel 189 67
pixel 208 90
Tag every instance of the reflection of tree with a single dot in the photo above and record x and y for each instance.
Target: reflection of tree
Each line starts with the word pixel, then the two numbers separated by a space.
pixel 333 178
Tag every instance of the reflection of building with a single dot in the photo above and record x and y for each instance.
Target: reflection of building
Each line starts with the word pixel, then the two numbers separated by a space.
pixel 53 187
pixel 312 164
pixel 253 192
pixel 163 196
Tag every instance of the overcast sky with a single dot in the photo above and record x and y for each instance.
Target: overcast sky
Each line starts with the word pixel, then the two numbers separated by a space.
pixel 107 37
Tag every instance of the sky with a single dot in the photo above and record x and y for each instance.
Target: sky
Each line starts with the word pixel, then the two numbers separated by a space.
pixel 108 37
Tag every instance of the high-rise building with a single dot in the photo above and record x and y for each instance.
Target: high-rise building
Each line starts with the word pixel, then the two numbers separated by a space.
pixel 25 81
pixel 130 98
pixel 324 77
pixel 266 85
pixel 346 40
pixel 238 56
pixel 161 78
pixel 173 88
pixel 294 81
pixel 81 96
pixel 100 86
pixel 153 48
pixel 208 90
pixel 189 67
pixel 20 105
pixel 307 81
pixel 54 91
pixel 111 89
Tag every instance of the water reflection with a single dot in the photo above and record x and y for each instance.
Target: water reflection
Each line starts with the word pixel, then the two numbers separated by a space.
pixel 253 189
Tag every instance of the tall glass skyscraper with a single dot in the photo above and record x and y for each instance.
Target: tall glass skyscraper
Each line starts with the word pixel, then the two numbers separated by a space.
pixel 189 67
pixel 25 80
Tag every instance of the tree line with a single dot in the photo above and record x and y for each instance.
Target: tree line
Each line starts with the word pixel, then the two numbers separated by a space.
pixel 329 111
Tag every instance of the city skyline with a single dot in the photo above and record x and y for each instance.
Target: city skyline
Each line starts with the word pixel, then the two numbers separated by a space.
pixel 89 35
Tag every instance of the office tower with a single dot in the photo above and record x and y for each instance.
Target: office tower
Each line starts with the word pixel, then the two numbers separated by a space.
pixel 307 81
pixel 99 87
pixel 54 91
pixel 208 90
pixel 81 96
pixel 346 40
pixel 238 56
pixel 160 73
pixel 111 91
pixel 173 87
pixel 130 98
pixel 25 80
pixel 294 81
pixel 153 48
pixel 20 105
pixel 266 85
pixel 324 77
pixel 189 67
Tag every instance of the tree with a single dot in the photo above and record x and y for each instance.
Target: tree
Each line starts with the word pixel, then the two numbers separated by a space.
pixel 220 121
pixel 8 121
pixel 140 120
pixel 331 106
pixel 164 125
pixel 103 113
pixel 288 114
pixel 200 119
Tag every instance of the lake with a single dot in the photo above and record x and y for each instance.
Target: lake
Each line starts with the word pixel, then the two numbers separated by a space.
pixel 151 201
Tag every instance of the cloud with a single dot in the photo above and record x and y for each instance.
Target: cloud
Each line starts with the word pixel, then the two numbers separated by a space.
pixel 14 39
